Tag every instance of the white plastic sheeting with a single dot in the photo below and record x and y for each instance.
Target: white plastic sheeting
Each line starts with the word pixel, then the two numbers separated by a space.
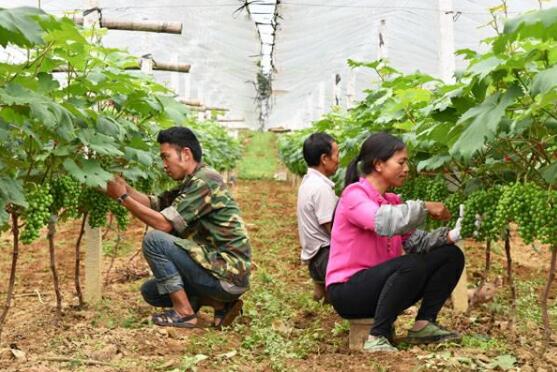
pixel 315 38
pixel 222 46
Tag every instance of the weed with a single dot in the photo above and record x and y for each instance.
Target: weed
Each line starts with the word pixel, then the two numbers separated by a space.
pixel 260 157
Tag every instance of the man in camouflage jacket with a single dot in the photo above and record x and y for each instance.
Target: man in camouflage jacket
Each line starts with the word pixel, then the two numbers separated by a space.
pixel 198 249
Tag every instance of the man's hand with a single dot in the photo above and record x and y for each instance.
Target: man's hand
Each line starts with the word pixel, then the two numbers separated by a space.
pixel 116 187
pixel 438 211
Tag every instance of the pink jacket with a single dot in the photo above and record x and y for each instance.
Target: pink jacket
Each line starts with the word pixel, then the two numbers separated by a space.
pixel 354 244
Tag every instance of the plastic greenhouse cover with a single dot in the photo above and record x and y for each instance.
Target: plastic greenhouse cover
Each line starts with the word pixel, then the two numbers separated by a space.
pixel 316 37
pixel 221 44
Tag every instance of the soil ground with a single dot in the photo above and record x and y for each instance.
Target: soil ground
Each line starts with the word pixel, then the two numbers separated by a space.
pixel 282 328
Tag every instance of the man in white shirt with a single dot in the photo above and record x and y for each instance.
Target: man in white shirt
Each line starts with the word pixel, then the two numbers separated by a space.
pixel 316 204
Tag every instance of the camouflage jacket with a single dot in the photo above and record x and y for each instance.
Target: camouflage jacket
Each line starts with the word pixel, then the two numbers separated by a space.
pixel 207 219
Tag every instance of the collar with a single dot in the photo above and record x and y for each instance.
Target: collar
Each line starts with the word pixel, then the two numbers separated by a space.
pixel 197 168
pixel 372 191
pixel 323 177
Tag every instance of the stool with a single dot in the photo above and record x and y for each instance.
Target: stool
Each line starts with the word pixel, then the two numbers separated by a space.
pixel 359 330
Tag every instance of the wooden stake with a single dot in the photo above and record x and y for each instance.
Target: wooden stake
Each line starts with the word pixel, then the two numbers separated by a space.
pixel 93 264
pixel 459 297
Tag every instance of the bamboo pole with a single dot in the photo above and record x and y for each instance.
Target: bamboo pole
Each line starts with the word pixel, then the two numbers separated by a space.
pixel 147 26
pixel 190 102
pixel 159 66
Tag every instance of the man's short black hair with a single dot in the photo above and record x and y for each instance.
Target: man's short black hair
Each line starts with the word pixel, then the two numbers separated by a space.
pixel 181 137
pixel 316 145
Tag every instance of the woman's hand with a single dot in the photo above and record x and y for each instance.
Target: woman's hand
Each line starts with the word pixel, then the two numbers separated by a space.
pixel 438 211
pixel 454 234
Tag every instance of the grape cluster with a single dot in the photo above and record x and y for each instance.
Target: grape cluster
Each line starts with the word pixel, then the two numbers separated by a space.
pixel 532 208
pixel 144 185
pixel 65 193
pixel 453 202
pixel 414 189
pixel 473 206
pixel 436 189
pixel 37 214
pixel 97 204
pixel 546 223
pixel 121 214
pixel 482 204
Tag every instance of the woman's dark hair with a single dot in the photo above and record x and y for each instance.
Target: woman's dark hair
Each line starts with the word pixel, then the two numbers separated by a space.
pixel 181 137
pixel 316 145
pixel 377 147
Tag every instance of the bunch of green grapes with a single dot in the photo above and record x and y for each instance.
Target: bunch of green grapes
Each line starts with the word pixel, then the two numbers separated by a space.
pixel 121 214
pixel 37 214
pixel 436 189
pixel 546 222
pixel 453 202
pixel 475 205
pixel 486 231
pixel 97 205
pixel 65 193
pixel 144 185
pixel 505 211
pixel 414 189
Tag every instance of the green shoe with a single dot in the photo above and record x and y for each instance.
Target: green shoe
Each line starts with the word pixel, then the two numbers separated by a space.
pixel 431 333
pixel 375 344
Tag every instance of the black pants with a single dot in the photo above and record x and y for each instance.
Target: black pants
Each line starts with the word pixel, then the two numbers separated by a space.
pixel 384 291
pixel 317 265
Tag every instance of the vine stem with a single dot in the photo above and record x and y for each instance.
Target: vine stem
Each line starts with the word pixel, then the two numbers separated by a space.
pixel 510 278
pixel 545 296
pixel 11 285
pixel 77 280
pixel 52 253
pixel 487 262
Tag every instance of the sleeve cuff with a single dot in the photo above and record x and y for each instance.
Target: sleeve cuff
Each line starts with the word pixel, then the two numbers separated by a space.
pixel 154 202
pixel 177 221
pixel 324 220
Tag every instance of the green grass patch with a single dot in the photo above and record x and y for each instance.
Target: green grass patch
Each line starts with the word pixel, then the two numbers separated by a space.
pixel 260 159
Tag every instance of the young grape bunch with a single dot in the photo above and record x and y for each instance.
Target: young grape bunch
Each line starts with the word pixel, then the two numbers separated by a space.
pixel 97 205
pixel 437 189
pixel 481 204
pixel 121 214
pixel 65 193
pixel 37 214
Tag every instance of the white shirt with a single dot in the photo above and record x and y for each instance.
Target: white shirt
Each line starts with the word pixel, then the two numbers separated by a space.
pixel 316 204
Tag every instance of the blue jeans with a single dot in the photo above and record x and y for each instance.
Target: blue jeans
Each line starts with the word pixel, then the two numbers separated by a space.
pixel 174 269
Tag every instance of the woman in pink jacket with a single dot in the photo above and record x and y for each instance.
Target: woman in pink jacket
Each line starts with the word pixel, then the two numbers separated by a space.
pixel 368 276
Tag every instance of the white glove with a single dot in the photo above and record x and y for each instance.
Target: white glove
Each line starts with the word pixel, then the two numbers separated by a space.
pixel 454 234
